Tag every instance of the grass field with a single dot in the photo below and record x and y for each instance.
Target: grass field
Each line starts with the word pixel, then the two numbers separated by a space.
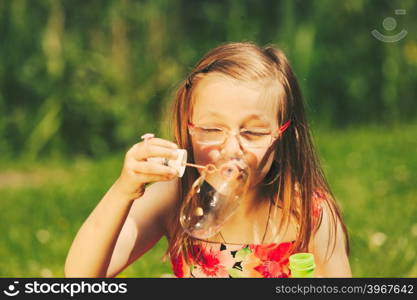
pixel 371 171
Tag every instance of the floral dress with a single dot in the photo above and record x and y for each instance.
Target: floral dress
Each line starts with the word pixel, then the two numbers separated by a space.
pixel 231 260
pixel 216 259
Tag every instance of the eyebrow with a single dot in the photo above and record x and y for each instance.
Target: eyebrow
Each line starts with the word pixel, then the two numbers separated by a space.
pixel 248 118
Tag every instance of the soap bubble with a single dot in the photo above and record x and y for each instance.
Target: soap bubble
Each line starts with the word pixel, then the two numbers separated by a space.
pixel 214 197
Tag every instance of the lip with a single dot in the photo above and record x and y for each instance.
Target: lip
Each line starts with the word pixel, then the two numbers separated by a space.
pixel 233 169
pixel 240 164
pixel 229 171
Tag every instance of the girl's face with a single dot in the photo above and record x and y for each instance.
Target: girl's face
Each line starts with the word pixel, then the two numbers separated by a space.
pixel 225 103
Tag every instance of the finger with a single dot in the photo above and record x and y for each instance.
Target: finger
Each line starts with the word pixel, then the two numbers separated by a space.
pixel 147 136
pixel 152 168
pixel 162 143
pixel 145 151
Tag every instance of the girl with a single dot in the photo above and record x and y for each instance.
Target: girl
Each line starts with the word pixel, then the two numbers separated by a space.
pixel 240 101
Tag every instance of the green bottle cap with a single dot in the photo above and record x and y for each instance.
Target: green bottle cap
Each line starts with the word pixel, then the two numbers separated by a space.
pixel 302 265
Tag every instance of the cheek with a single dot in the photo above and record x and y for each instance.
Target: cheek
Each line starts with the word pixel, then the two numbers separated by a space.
pixel 204 155
pixel 254 160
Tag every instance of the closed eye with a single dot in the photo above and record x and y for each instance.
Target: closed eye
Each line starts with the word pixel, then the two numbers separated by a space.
pixel 207 129
pixel 255 133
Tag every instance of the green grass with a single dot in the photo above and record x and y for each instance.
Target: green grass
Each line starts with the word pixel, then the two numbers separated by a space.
pixel 43 210
pixel 370 169
pixel 372 173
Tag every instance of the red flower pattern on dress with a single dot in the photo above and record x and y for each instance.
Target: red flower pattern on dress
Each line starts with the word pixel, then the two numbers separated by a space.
pixel 271 269
pixel 274 257
pixel 212 262
pixel 271 251
pixel 177 266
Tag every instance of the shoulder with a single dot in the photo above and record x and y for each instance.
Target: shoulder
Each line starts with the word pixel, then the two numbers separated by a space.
pixel 326 216
pixel 329 243
pixel 318 201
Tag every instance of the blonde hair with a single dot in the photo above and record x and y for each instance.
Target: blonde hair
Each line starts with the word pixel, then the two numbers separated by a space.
pixel 296 167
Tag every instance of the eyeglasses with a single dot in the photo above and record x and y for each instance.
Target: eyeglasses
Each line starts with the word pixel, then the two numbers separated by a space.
pixel 248 138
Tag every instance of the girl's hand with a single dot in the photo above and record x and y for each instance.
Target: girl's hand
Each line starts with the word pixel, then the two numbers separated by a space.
pixel 138 170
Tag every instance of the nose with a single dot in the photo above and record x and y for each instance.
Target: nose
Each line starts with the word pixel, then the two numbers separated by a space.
pixel 232 146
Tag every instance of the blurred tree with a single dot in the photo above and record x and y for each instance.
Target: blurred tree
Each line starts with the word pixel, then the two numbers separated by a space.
pixel 81 77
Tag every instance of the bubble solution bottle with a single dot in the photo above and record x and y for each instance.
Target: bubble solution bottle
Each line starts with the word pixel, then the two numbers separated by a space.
pixel 302 265
pixel 214 197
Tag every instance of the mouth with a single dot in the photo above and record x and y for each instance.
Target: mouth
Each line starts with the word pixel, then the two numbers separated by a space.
pixel 240 164
pixel 229 171
pixel 233 169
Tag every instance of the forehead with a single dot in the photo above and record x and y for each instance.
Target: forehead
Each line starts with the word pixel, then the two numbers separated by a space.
pixel 222 97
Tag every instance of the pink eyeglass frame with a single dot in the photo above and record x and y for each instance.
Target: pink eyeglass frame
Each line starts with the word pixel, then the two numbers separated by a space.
pixel 280 130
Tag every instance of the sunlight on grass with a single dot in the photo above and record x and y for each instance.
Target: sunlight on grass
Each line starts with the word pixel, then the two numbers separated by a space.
pixel 370 170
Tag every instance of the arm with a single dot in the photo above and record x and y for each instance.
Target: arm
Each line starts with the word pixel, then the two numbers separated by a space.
pixel 125 223
pixel 330 263
pixel 145 225
pixel 118 232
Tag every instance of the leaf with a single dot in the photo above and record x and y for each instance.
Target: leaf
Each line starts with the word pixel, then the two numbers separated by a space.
pixel 241 254
pixel 235 273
